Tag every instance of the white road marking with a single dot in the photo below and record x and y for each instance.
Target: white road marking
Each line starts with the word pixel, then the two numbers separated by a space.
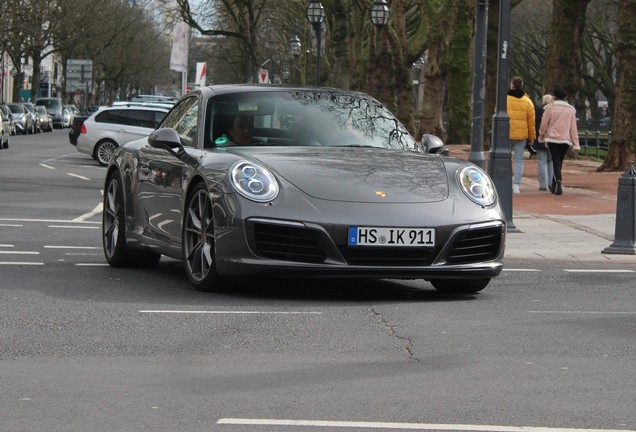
pixel 231 312
pixel 11 252
pixel 520 270
pixel 11 225
pixel 92 264
pixel 47 166
pixel 71 247
pixel 96 210
pixel 584 312
pixel 78 176
pixel 73 227
pixel 20 263
pixel 46 220
pixel 405 426
pixel 7 245
pixel 58 158
pixel 597 271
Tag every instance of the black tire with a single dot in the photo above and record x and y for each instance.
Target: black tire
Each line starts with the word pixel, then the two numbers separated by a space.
pixel 104 151
pixel 114 230
pixel 198 240
pixel 459 286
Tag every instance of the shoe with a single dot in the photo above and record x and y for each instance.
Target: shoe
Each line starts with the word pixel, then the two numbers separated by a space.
pixel 515 189
pixel 543 189
pixel 559 189
pixel 552 187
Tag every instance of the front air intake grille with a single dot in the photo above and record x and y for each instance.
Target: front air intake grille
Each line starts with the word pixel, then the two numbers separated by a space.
pixel 476 245
pixel 389 257
pixel 287 243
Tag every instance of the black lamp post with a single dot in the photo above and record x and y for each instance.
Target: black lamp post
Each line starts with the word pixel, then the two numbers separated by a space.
pixel 294 49
pixel 380 13
pixel 316 15
pixel 500 163
pixel 479 84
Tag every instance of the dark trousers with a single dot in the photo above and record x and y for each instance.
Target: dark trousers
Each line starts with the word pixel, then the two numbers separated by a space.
pixel 558 152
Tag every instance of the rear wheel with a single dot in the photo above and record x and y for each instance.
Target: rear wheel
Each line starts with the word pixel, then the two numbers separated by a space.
pixel 104 151
pixel 199 253
pixel 114 230
pixel 459 286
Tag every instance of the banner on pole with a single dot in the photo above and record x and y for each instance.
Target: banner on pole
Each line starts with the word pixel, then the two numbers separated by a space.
pixel 202 72
pixel 179 53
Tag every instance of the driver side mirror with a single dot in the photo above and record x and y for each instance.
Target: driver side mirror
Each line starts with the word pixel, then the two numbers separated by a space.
pixel 433 145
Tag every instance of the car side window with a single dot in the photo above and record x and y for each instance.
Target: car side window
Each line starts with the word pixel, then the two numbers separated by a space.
pixel 110 116
pixel 140 118
pixel 184 118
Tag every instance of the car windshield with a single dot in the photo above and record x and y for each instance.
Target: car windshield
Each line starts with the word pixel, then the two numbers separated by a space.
pixel 48 103
pixel 310 118
pixel 16 109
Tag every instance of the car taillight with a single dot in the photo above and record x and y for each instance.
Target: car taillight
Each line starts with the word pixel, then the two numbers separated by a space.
pixel 83 129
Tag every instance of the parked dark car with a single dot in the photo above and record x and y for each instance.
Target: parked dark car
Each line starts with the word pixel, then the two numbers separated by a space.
pixel 76 129
pixel 328 184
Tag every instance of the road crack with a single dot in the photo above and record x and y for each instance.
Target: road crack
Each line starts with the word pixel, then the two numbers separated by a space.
pixel 392 330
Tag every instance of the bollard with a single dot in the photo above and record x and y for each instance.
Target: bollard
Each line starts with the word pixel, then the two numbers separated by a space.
pixel 625 231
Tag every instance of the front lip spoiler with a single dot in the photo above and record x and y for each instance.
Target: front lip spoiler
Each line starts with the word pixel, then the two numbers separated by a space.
pixel 286 269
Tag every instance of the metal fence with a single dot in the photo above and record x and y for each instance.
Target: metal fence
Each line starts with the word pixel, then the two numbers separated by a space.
pixel 595 137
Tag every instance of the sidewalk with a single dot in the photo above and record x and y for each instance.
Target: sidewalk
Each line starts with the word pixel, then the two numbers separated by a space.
pixel 575 226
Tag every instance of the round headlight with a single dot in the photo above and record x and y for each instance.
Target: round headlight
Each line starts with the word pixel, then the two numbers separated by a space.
pixel 253 181
pixel 477 185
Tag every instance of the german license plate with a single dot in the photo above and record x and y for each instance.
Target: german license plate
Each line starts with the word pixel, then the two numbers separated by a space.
pixel 391 237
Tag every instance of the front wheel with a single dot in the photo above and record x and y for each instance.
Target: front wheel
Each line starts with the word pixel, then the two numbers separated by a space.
pixel 199 253
pixel 104 151
pixel 459 286
pixel 114 230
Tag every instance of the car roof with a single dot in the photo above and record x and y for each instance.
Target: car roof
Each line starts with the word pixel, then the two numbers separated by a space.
pixel 142 104
pixel 220 89
pixel 130 108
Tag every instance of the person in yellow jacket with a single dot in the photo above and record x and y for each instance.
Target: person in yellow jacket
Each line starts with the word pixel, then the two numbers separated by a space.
pixel 522 125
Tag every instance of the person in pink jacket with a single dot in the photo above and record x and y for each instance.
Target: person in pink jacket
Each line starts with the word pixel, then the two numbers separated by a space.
pixel 558 129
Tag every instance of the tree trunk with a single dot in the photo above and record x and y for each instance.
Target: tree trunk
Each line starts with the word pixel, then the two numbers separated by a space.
pixel 403 78
pixel 340 45
pixel 563 64
pixel 431 121
pixel 622 149
pixel 460 73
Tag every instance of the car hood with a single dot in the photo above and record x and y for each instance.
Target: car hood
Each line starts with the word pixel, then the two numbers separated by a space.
pixel 360 175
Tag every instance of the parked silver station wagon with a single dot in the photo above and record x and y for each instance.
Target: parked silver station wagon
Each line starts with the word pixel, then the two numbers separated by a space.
pixel 107 129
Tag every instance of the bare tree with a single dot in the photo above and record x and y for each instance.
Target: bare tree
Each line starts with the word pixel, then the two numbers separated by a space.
pixel 565 48
pixel 622 149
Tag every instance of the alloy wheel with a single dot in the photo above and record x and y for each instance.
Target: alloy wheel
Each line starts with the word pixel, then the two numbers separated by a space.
pixel 198 238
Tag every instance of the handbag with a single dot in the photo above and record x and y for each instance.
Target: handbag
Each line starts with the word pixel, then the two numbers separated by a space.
pixel 539 145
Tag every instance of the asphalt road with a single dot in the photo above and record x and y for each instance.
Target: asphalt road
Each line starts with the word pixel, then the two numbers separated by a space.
pixel 84 347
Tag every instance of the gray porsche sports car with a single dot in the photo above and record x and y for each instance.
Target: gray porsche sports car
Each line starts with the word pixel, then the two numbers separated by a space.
pixel 247 180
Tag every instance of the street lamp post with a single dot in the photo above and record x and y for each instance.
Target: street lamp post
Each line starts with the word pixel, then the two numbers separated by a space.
pixel 479 84
pixel 500 164
pixel 294 49
pixel 316 15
